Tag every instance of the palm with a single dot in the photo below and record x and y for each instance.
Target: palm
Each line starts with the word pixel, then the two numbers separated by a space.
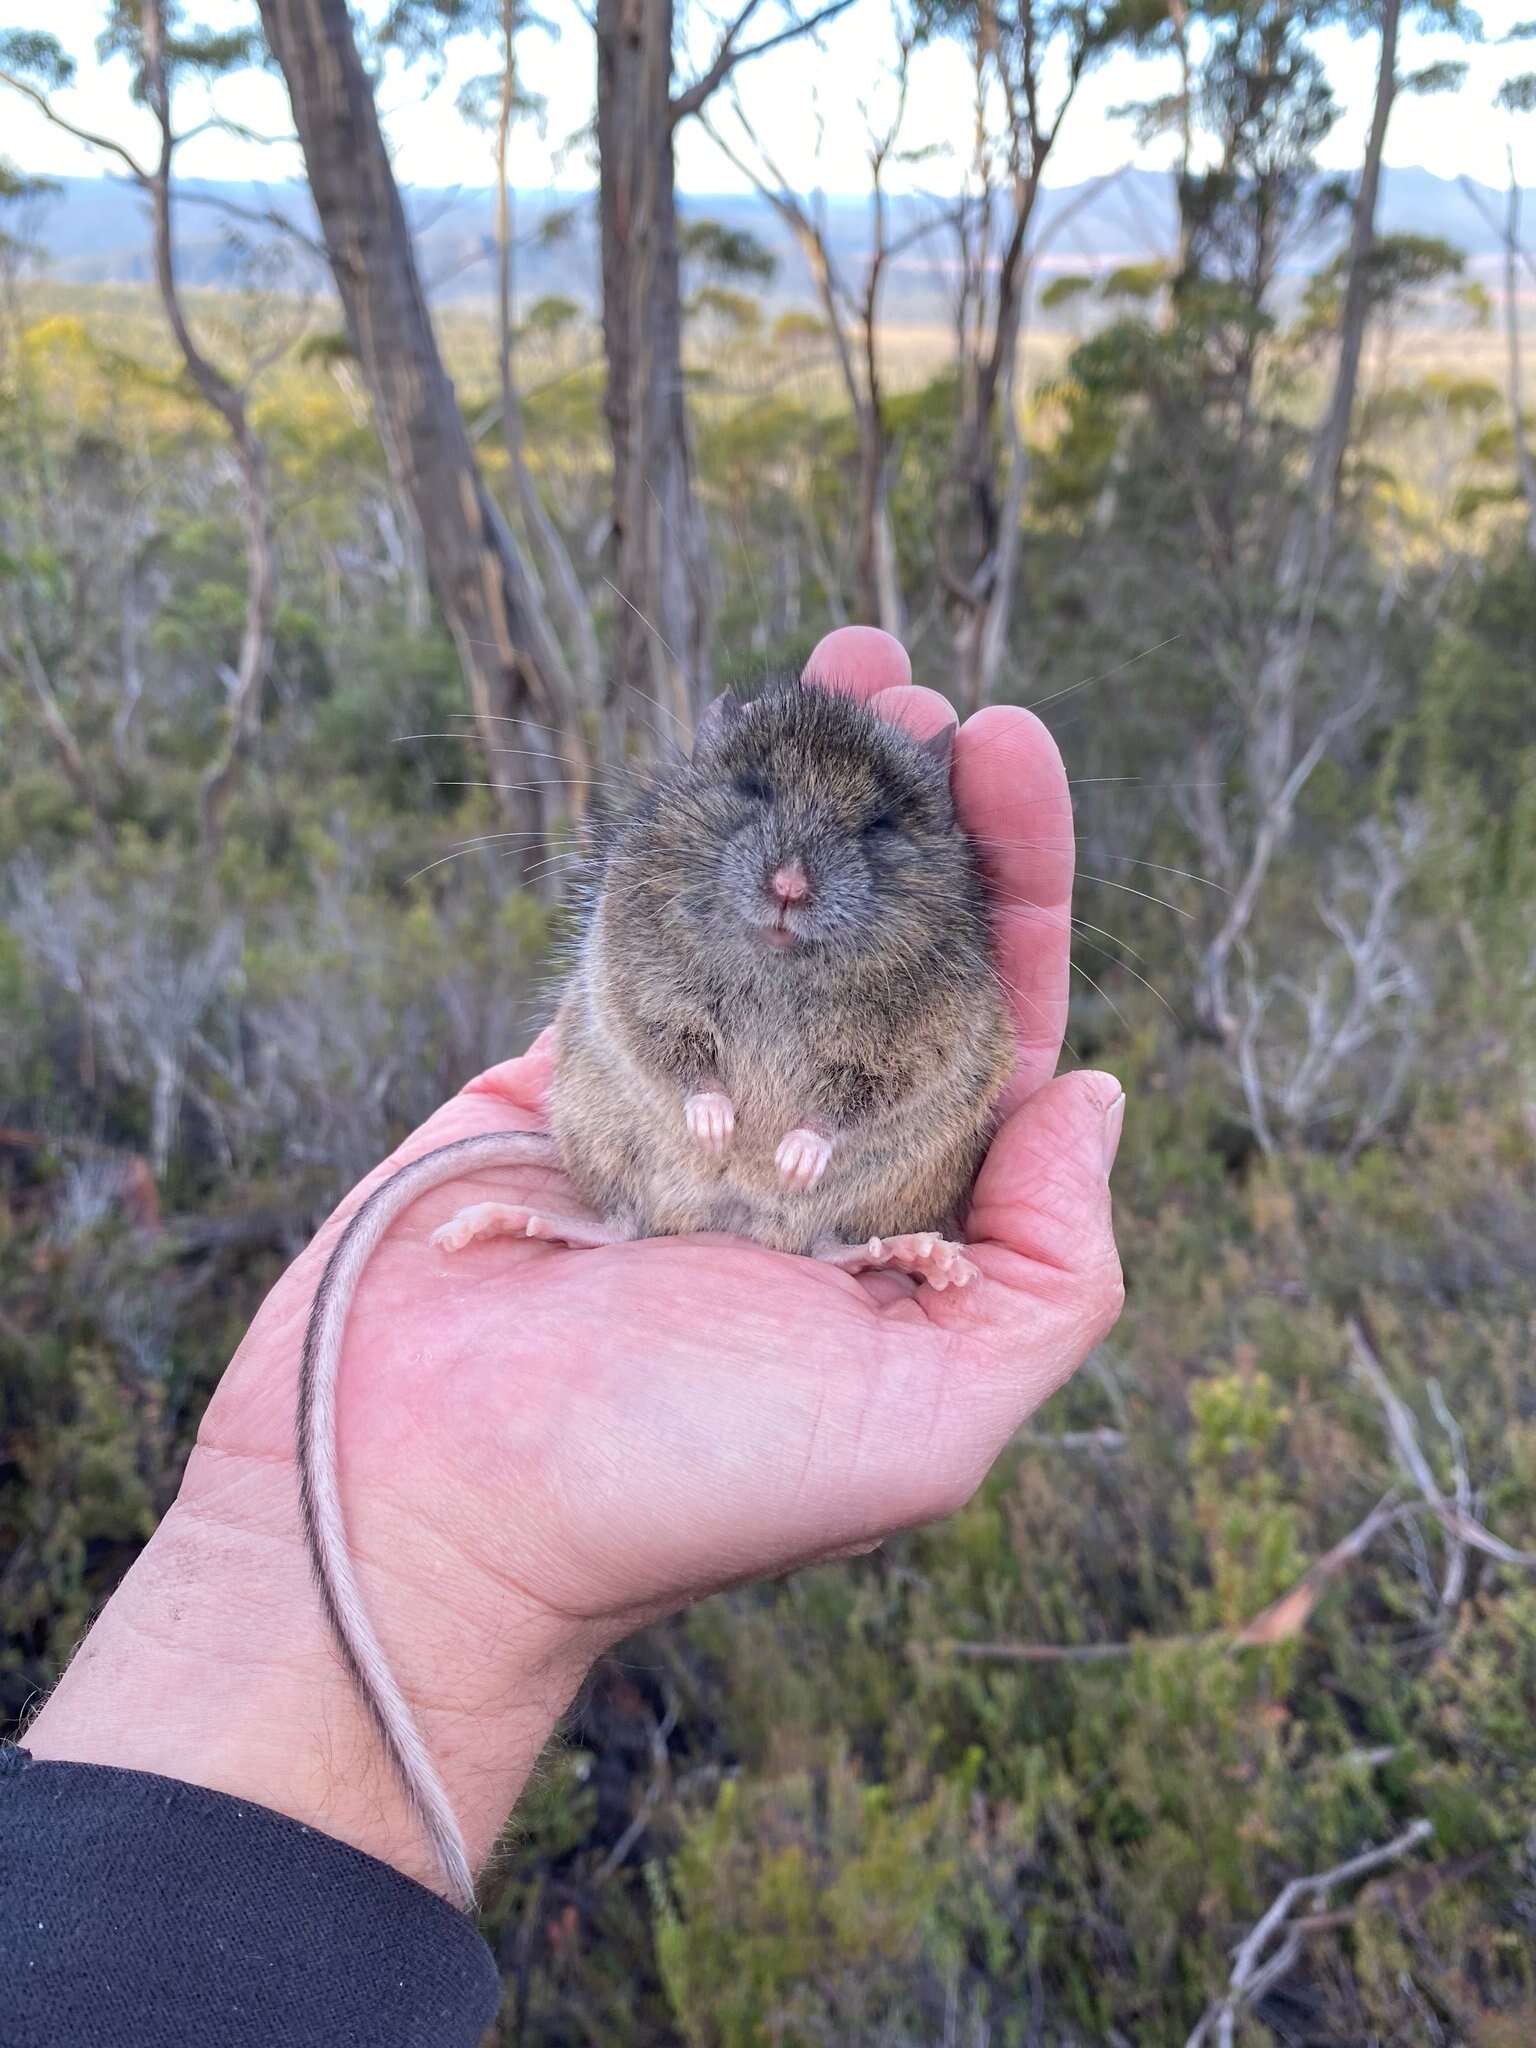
pixel 670 1416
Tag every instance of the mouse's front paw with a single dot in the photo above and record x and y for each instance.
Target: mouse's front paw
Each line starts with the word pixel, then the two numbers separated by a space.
pixel 802 1158
pixel 711 1119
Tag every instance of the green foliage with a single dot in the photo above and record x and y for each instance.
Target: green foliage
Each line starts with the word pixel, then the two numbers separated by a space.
pixel 727 252
pixel 1061 291
pixel 858 1807
pixel 1446 76
pixel 39 58
pixel 805 1911
pixel 1398 267
pixel 734 312
pixel 1135 281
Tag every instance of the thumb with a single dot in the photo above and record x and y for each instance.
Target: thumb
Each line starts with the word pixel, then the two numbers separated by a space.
pixel 524 1081
pixel 1040 1231
pixel 1043 1197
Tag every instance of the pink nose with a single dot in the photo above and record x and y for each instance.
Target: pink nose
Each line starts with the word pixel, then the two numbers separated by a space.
pixel 789 884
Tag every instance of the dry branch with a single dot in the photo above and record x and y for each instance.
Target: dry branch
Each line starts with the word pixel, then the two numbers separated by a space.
pixel 1253 1972
pixel 1452 1515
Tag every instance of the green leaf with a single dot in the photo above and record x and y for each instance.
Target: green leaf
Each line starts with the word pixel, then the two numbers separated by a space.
pixel 729 252
pixel 1135 281
pixel 1447 76
pixel 1062 290
pixel 41 59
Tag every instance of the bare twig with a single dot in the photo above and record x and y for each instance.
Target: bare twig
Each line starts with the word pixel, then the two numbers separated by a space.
pixel 1277 1623
pixel 1253 1972
pixel 1065 1653
pixel 728 54
pixel 1288 1615
pixel 1453 1517
pixel 1456 1564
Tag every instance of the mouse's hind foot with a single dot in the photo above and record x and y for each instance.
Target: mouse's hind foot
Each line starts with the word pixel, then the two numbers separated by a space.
pixel 922 1253
pixel 508 1219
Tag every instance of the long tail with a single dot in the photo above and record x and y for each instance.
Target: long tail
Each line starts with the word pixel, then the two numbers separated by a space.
pixel 320 1497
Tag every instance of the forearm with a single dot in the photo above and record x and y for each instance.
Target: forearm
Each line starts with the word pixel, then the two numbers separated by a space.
pixel 212 1664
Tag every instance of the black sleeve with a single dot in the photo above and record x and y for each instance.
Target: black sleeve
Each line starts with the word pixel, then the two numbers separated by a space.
pixel 138 1912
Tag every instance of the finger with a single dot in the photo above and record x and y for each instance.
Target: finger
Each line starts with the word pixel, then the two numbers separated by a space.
pixel 1041 1231
pixel 916 710
pixel 524 1082
pixel 859 659
pixel 1042 1197
pixel 1013 797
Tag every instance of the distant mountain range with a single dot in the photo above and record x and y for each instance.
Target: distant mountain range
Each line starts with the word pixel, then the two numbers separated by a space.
pixel 95 231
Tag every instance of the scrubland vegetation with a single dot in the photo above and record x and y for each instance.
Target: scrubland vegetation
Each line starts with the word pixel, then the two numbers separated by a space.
pixel 1254 1600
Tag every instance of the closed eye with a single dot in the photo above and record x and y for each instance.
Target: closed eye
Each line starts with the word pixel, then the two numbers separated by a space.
pixel 881 827
pixel 754 787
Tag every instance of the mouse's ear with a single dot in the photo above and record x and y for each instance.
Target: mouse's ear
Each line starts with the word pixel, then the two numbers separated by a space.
pixel 717 721
pixel 940 747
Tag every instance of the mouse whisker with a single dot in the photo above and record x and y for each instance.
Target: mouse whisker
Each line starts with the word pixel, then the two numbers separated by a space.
pixel 471 846
pixel 655 631
pixel 1209 782
pixel 1103 931
pixel 1128 859
pixel 1103 677
pixel 509 788
pixel 1115 961
pixel 1020 996
pixel 1106 882
pixel 1082 875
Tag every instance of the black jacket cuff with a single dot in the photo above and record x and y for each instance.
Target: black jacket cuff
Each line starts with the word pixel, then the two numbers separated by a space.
pixel 139 1912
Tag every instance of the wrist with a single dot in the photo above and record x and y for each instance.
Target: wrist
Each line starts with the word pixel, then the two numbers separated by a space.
pixel 212 1664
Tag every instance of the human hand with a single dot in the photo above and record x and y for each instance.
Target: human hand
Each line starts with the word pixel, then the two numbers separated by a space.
pixel 541 1449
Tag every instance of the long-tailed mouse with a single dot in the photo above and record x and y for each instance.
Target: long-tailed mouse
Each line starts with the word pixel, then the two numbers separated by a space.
pixel 784 1021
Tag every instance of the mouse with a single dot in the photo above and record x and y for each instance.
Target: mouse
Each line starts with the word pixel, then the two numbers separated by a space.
pixel 783 1021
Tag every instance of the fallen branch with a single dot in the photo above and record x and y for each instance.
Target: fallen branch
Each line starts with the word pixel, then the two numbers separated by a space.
pixel 1076 1440
pixel 1065 1653
pixel 1289 1615
pixel 1282 1619
pixel 1456 1519
pixel 1253 1972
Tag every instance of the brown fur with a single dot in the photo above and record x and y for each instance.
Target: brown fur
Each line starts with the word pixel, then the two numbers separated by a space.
pixel 883 1026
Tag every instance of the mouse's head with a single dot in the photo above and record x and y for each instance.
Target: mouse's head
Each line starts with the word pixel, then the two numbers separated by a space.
pixel 810 832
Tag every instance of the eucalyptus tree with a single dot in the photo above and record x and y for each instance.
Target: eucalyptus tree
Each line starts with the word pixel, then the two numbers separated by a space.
pixel 1279 758
pixel 1027 59
pixel 851 303
pixel 507 648
pixel 495 101
pixel 164 53
pixel 663 568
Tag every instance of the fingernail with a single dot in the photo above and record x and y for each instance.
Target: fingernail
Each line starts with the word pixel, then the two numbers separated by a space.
pixel 1114 1123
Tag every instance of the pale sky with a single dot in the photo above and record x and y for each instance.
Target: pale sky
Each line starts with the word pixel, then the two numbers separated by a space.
pixel 804 100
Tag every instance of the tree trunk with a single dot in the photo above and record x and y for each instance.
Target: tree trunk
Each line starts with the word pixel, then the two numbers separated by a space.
pixel 255 659
pixel 503 641
pixel 992 504
pixel 1525 462
pixel 660 672
pixel 567 601
pixel 256 638
pixel 1270 750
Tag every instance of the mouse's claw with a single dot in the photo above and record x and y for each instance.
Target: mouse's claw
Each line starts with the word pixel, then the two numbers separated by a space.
pixel 802 1158
pixel 711 1119
pixel 922 1253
